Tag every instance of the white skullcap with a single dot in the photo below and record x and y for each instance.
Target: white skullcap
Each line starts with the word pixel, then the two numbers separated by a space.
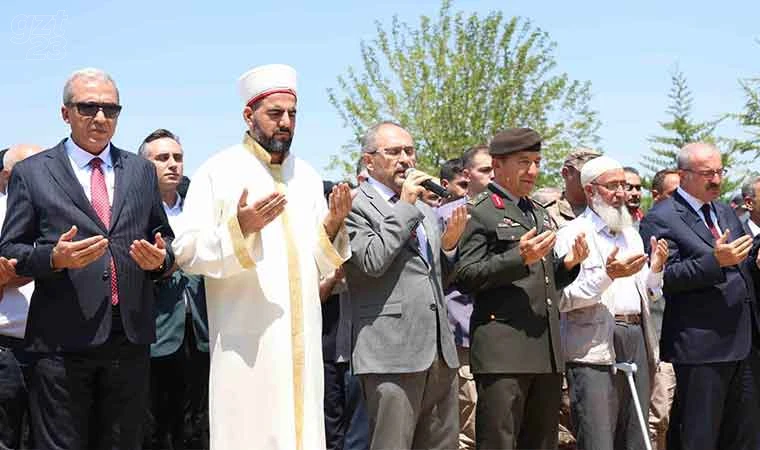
pixel 262 81
pixel 597 166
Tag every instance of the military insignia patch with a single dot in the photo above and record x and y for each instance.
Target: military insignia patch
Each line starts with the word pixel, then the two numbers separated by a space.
pixel 498 202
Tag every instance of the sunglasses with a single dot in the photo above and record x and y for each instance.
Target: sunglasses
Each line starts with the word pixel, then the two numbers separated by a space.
pixel 90 109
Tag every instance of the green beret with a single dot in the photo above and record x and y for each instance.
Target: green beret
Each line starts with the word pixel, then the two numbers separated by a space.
pixel 514 140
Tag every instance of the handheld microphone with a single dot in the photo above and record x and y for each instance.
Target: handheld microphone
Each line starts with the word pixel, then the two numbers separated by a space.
pixel 430 185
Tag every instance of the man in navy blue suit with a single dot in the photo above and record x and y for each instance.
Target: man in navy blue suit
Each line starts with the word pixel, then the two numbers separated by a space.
pixel 86 221
pixel 709 319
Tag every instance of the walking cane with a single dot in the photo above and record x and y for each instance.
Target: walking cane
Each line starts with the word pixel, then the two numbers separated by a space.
pixel 630 369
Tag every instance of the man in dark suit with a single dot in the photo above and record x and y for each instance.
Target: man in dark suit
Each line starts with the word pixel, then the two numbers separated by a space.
pixel 709 322
pixel 179 366
pixel 404 350
pixel 751 219
pixel 506 262
pixel 85 221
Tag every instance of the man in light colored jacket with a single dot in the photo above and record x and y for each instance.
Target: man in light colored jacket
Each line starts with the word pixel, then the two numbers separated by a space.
pixel 606 313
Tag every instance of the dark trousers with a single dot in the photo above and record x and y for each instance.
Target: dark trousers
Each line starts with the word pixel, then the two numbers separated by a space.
pixel 346 422
pixel 93 399
pixel 715 407
pixel 413 410
pixel 603 411
pixel 13 400
pixel 179 397
pixel 518 411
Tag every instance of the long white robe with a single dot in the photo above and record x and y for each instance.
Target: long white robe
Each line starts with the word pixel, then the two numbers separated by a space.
pixel 262 293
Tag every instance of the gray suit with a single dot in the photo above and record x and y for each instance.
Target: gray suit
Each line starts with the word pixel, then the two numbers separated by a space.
pixel 403 347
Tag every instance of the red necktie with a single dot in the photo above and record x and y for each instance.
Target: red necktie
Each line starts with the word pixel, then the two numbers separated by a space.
pixel 99 199
pixel 708 220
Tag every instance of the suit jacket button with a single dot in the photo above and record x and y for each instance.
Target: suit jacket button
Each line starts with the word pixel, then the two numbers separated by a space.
pixel 106 275
pixel 433 307
pixel 548 302
pixel 547 280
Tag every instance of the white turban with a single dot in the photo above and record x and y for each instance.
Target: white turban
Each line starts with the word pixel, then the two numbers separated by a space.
pixel 263 81
pixel 596 167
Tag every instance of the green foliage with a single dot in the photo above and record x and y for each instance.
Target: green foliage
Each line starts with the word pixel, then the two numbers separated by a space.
pixel 684 129
pixel 455 80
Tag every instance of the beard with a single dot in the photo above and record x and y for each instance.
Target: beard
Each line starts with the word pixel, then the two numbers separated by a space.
pixel 616 218
pixel 269 143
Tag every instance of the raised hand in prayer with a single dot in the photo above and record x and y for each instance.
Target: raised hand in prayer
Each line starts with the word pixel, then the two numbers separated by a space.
pixel 252 218
pixel 149 256
pixel 339 203
pixel 578 252
pixel 70 254
pixel 454 228
pixel 659 254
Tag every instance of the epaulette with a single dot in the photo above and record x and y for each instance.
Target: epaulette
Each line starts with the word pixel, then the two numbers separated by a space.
pixel 478 198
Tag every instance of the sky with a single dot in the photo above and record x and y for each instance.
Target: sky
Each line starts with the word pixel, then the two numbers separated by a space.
pixel 176 63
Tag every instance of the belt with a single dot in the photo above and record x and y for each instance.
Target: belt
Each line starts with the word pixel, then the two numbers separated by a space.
pixel 631 319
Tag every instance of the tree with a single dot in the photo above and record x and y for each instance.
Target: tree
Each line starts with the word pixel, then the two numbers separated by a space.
pixel 749 118
pixel 456 80
pixel 684 129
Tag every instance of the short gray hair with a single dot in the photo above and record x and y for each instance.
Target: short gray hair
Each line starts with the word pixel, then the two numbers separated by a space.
pixel 684 155
pixel 90 73
pixel 370 136
pixel 748 188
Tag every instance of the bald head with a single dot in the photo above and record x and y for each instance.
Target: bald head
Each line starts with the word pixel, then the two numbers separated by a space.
pixel 18 153
pixel 15 154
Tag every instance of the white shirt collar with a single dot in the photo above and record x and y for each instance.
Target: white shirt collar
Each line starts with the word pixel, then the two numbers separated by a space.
pixel 753 227
pixel 694 202
pixel 176 209
pixel 384 190
pixel 82 157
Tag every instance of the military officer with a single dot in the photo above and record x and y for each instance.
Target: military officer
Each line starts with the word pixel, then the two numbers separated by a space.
pixel 507 263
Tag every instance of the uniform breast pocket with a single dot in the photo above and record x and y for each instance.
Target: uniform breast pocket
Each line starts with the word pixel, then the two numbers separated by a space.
pixel 510 233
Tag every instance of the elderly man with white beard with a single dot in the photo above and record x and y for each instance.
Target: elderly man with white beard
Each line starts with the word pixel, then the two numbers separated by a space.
pixel 606 313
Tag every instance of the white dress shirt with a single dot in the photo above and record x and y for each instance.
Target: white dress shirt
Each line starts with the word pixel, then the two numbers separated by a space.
pixel 753 228
pixel 593 280
pixel 80 162
pixel 14 305
pixel 696 204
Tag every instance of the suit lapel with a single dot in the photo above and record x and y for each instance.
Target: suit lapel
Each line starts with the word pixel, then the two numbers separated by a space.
pixel 60 169
pixel 512 212
pixel 376 200
pixel 692 219
pixel 121 183
pixel 538 214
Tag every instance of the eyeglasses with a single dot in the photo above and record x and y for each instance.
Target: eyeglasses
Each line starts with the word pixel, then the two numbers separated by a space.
pixel 632 187
pixel 395 152
pixel 90 109
pixel 709 173
pixel 613 186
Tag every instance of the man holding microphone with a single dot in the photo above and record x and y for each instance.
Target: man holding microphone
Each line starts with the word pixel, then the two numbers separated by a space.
pixel 404 350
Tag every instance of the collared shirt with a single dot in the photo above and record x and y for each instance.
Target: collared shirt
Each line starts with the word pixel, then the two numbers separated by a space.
pixel 753 228
pixel 386 193
pixel 174 210
pixel 172 214
pixel 627 297
pixel 696 205
pixel 14 305
pixel 80 163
